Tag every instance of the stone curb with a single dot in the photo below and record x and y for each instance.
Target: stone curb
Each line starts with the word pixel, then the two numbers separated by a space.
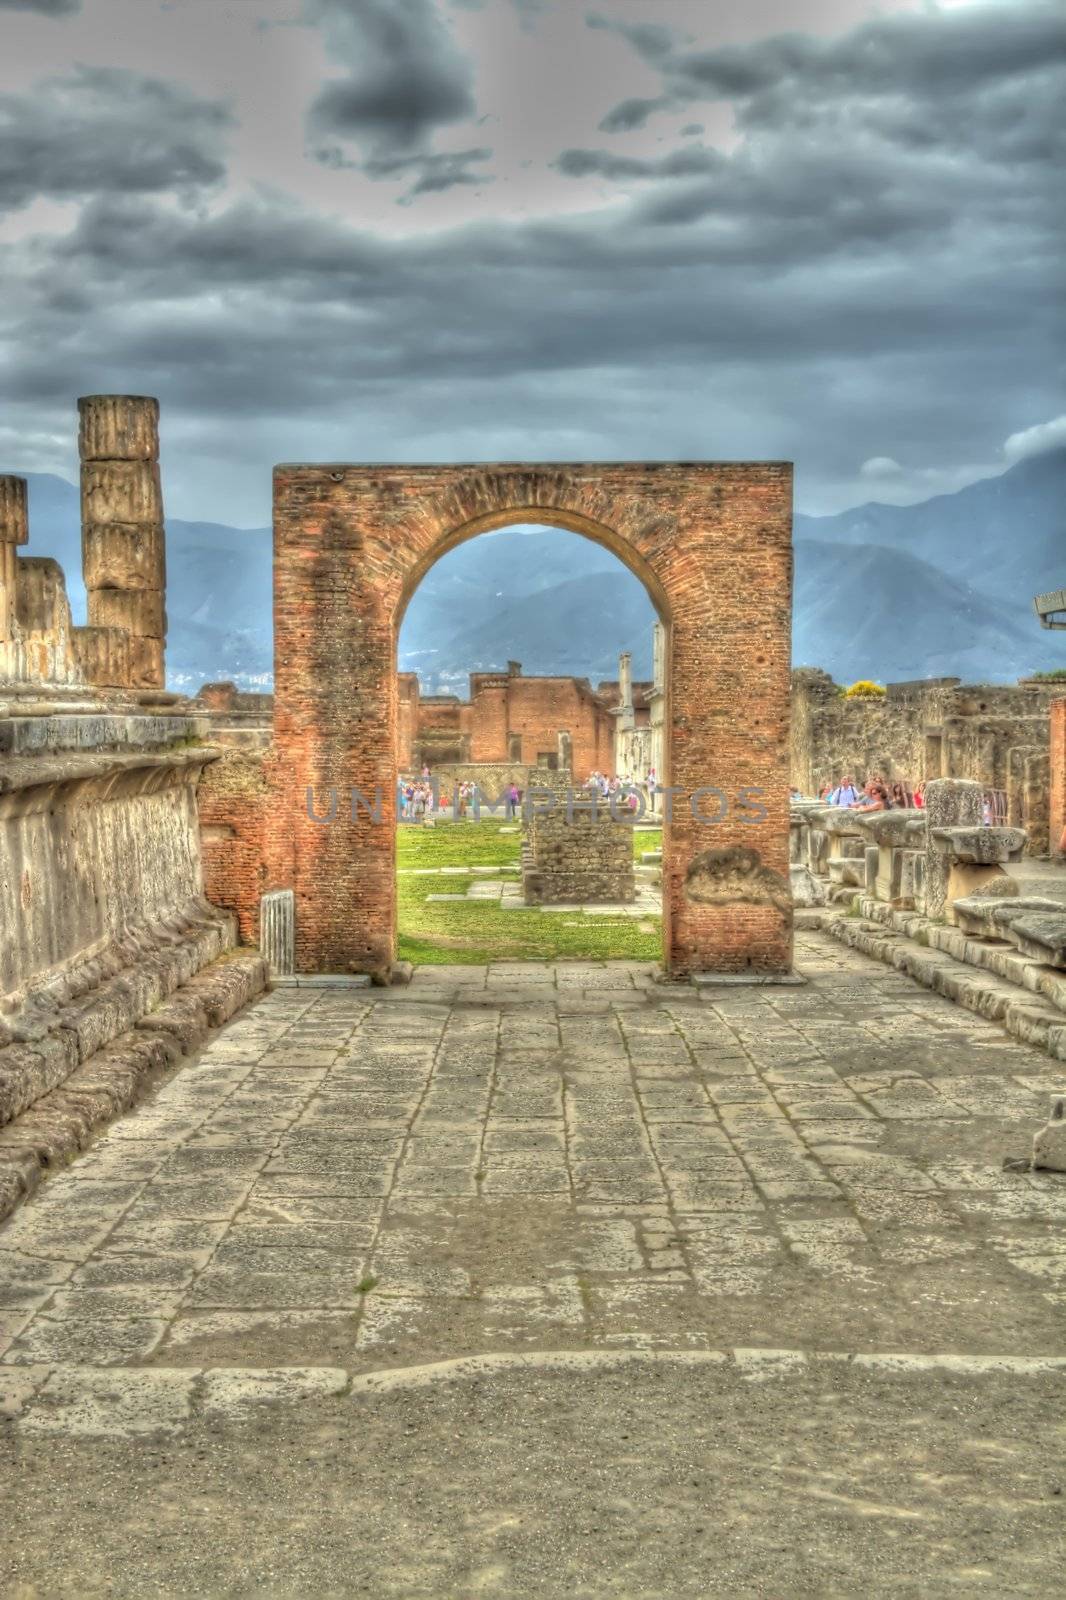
pixel 118 1402
pixel 64 1119
pixel 1024 1014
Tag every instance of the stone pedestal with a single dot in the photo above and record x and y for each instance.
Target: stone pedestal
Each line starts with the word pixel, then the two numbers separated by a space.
pixel 949 803
pixel 123 543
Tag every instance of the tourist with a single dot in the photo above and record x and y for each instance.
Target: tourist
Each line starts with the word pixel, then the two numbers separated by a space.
pixel 876 798
pixel 900 798
pixel 845 794
pixel 919 795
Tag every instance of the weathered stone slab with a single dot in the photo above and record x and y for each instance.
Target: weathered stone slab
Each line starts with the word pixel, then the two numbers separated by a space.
pixel 979 846
pixel 1041 936
pixel 1049 1145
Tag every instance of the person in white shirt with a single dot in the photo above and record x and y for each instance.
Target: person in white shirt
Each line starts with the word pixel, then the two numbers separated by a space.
pixel 845 794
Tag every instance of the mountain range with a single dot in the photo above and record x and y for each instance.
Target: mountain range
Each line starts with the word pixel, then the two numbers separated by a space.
pixel 941 588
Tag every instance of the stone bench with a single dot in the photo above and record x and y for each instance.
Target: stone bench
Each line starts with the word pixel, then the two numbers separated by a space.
pixel 895 857
pixel 966 861
pixel 990 917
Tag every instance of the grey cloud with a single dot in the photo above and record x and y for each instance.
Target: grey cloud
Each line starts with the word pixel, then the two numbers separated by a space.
pixel 405 75
pixel 652 40
pixel 831 289
pixel 601 163
pixel 49 8
pixel 926 53
pixel 630 114
pixel 103 129
pixel 432 174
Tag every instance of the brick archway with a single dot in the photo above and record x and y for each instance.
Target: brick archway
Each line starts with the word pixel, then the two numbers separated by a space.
pixel 711 543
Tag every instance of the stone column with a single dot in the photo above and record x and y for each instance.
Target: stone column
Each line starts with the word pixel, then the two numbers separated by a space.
pixel 625 691
pixel 949 803
pixel 123 542
pixel 14 530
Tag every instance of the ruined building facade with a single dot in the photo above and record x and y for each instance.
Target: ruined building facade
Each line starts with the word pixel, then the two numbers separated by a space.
pixel 1001 736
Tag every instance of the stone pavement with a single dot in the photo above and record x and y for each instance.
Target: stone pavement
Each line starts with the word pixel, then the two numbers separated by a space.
pixel 553 1158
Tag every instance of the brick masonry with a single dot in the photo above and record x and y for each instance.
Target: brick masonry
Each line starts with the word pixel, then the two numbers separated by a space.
pixel 234 804
pixel 712 544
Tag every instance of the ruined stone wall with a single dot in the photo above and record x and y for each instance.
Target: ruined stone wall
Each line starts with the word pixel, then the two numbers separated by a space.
pixel 993 734
pixel 576 855
pixel 1057 818
pixel 491 777
pixel 98 834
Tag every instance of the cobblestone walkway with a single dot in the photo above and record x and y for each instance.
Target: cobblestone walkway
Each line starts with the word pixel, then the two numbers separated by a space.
pixel 557 1158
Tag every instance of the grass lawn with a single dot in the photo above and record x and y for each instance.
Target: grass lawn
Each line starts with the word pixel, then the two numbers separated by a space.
pixel 472 932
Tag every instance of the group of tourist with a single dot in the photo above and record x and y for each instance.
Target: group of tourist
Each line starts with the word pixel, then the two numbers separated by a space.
pixel 418 800
pixel 608 788
pixel 876 794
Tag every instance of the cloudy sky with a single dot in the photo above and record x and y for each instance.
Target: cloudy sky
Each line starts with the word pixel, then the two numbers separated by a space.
pixel 824 230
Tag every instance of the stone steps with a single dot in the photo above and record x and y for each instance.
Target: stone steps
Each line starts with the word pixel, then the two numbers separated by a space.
pixel 65 1114
pixel 994 980
pixel 61 1022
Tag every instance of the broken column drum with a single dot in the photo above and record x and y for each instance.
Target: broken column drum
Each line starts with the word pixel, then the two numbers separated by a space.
pixel 123 541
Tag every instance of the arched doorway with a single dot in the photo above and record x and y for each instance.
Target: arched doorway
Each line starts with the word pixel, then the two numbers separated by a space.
pixel 712 545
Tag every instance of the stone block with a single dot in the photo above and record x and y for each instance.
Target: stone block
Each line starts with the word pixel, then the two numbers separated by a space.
pixel 28 1071
pixel 979 846
pixel 118 427
pixel 147 670
pixel 102 655
pixel 1041 936
pixel 14 516
pixel 139 611
pixel 807 890
pixel 953 802
pixel 1049 1145
pixel 874 857
pixel 122 557
pixel 121 492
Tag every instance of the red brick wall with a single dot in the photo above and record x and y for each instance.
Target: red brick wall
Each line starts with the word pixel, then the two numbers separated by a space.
pixel 712 543
pixel 539 707
pixel 1057 820
pixel 407 688
pixel 488 719
pixel 233 802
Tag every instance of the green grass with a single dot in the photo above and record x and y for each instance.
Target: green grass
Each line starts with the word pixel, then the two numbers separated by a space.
pixel 457 844
pixel 647 841
pixel 472 932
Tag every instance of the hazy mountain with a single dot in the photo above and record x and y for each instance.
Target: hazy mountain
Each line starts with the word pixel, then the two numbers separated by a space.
pixel 575 627
pixel 877 613
pixel 944 587
pixel 1004 536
